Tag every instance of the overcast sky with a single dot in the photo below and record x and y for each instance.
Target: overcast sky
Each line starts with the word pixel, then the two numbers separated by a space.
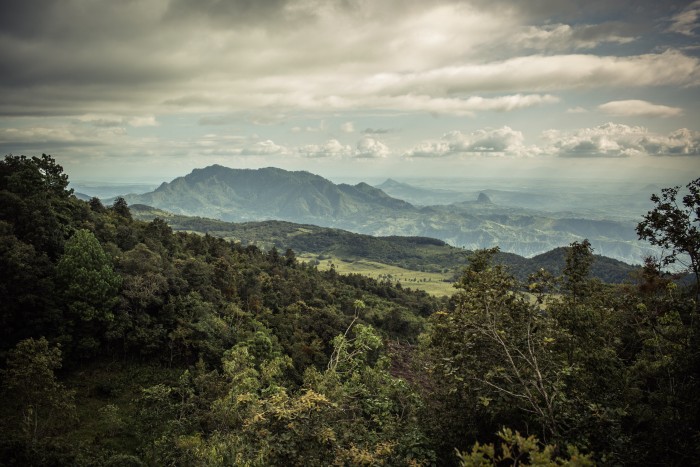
pixel 149 90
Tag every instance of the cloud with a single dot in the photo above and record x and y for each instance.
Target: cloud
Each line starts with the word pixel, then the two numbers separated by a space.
pixel 563 36
pixel 682 142
pixel 331 149
pixel 211 57
pixel 613 140
pixel 371 148
pixel 48 138
pixel 311 129
pixel 347 127
pixel 639 108
pixel 108 121
pixel 576 110
pixel 376 131
pixel 455 105
pixel 490 141
pixel 686 22
pixel 610 140
pixel 537 72
pixel 263 148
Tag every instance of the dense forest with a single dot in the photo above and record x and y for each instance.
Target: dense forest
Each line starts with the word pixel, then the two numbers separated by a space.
pixel 413 253
pixel 126 344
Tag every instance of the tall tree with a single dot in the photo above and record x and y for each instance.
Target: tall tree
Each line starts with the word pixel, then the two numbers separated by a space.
pixel 89 284
pixel 675 226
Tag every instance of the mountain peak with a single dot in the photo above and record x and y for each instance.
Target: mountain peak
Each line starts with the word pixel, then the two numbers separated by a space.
pixel 483 199
pixel 270 193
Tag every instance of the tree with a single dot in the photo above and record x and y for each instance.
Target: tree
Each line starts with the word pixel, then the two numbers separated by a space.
pixel 579 258
pixel 86 271
pixel 34 198
pixel 676 227
pixel 89 284
pixel 29 380
pixel 498 351
pixel 121 207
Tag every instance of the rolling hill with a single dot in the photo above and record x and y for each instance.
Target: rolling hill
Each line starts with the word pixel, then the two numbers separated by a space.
pixel 412 253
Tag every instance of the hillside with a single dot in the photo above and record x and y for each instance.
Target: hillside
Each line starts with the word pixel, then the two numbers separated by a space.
pixel 413 253
pixel 304 198
pixel 126 343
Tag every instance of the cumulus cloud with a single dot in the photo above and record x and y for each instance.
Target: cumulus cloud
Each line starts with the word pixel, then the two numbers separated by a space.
pixel 371 148
pixel 490 141
pixel 613 140
pixel 639 108
pixel 610 140
pixel 682 142
pixel 263 148
pixel 332 148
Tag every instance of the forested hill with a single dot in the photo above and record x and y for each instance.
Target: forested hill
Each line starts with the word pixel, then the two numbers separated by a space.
pixel 123 343
pixel 413 253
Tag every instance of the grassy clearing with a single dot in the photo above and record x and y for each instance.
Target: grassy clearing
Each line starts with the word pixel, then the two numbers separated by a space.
pixel 431 282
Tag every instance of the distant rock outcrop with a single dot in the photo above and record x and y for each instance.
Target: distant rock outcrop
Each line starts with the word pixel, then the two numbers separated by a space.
pixel 483 199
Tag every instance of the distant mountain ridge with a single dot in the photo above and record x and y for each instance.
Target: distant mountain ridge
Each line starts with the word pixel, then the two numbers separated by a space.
pixel 246 195
pixel 420 196
pixel 269 193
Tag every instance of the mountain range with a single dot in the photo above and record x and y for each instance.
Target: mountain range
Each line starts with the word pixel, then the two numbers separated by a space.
pixel 243 195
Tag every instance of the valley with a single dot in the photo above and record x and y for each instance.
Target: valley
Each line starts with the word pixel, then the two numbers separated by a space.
pixel 423 263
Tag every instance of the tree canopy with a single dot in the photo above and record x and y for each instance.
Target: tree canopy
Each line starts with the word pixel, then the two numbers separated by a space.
pixel 125 343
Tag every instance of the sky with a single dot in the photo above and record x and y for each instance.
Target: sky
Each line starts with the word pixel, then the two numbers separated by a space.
pixel 147 90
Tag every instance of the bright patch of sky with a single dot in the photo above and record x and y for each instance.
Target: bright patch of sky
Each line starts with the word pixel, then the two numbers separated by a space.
pixel 151 89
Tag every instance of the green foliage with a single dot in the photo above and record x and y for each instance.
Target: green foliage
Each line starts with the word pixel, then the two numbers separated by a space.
pixel 42 405
pixel 495 350
pixel 187 349
pixel 34 199
pixel 578 266
pixel 89 281
pixel 413 253
pixel 676 227
pixel 516 449
pixel 121 208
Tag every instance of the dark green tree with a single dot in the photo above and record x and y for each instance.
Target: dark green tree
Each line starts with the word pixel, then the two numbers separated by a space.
pixel 579 258
pixel 89 286
pixel 35 199
pixel 121 207
pixel 42 402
